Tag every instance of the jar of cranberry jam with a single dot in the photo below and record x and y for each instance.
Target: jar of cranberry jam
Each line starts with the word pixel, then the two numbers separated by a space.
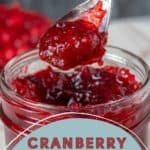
pixel 118 90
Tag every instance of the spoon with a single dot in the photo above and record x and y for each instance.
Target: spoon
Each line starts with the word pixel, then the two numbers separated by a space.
pixel 65 56
pixel 75 13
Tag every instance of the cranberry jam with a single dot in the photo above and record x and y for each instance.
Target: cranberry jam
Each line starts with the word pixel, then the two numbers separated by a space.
pixel 19 31
pixel 84 86
pixel 69 44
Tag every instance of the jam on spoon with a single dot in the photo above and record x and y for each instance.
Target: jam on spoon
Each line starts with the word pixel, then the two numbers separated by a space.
pixel 76 40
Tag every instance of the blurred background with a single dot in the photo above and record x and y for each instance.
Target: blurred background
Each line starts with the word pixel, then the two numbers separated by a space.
pixel 121 8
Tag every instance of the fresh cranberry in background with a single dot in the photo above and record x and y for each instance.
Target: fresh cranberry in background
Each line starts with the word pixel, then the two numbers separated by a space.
pixel 20 31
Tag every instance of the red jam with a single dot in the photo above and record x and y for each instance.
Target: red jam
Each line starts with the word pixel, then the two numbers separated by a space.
pixel 84 86
pixel 69 44
pixel 19 31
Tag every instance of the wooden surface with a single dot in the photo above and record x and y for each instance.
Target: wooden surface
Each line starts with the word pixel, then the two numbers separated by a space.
pixel 131 34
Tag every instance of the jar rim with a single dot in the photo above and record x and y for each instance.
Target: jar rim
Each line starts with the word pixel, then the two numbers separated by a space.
pixel 7 90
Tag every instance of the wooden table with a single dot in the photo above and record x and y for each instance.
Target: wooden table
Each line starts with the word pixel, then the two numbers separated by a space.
pixel 132 34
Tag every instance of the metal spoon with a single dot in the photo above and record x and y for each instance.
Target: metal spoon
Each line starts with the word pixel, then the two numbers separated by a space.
pixel 75 13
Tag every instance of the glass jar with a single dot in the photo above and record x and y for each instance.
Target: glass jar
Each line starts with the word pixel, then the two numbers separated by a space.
pixel 131 111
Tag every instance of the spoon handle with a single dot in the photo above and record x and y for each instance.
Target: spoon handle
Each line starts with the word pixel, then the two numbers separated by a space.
pixel 75 13
pixel 106 20
pixel 81 8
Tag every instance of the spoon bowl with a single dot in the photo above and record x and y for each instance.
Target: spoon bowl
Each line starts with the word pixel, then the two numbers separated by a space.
pixel 78 38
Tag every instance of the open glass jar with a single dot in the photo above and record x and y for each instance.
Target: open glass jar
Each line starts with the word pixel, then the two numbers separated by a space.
pixel 131 111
